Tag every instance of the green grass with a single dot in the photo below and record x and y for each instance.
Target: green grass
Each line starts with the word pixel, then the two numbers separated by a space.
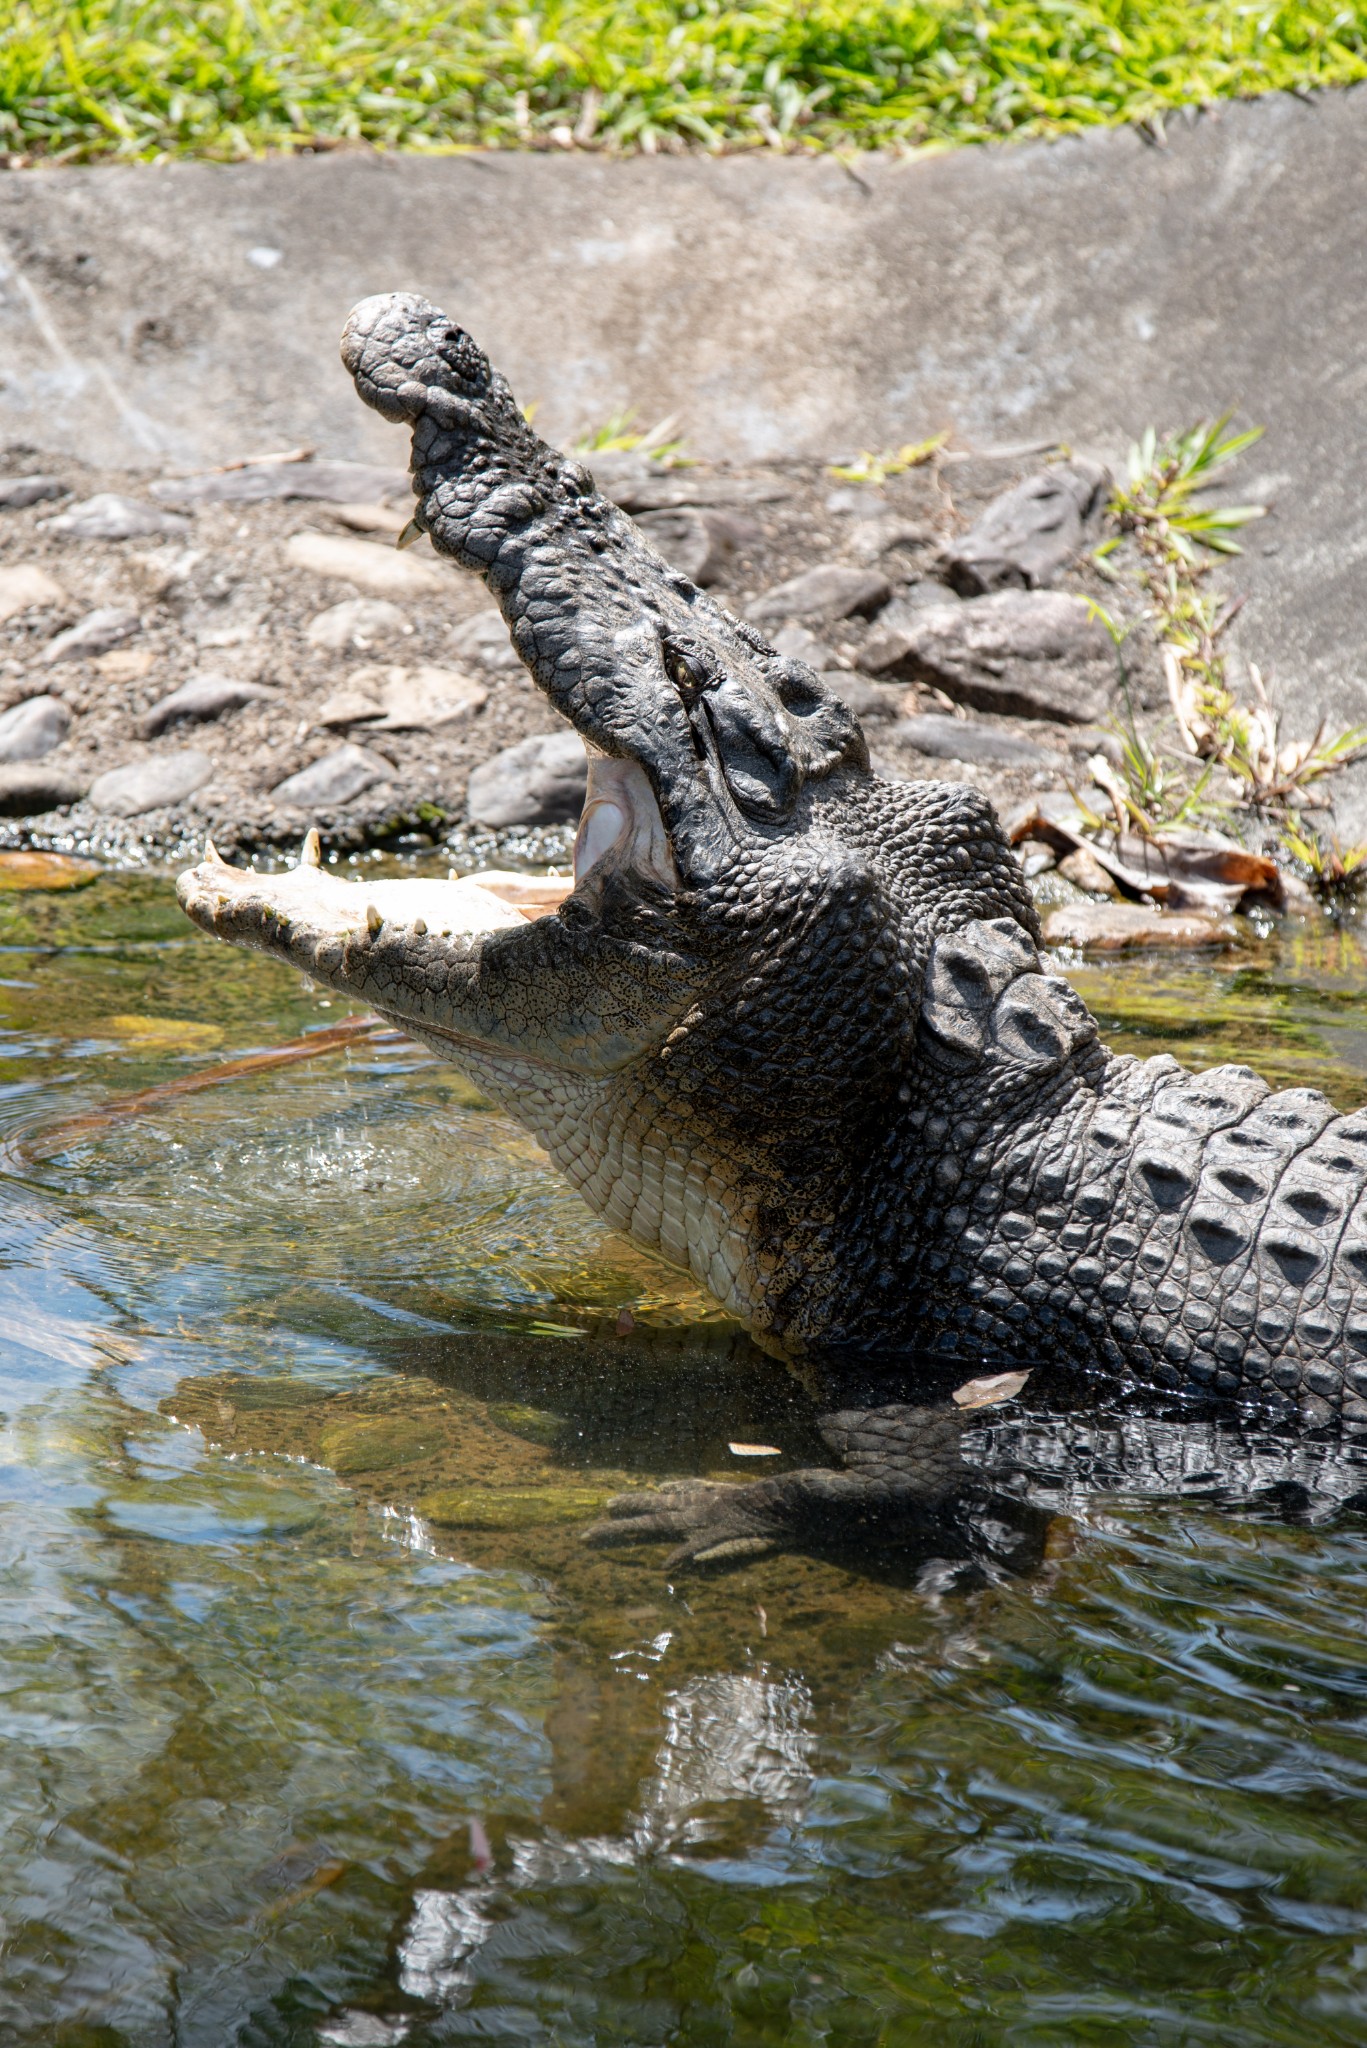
pixel 230 78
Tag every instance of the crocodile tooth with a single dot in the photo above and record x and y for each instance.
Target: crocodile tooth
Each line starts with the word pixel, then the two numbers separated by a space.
pixel 373 919
pixel 311 852
pixel 211 853
pixel 420 927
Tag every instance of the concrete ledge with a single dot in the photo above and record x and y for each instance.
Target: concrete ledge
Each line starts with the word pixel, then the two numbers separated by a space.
pixel 1078 289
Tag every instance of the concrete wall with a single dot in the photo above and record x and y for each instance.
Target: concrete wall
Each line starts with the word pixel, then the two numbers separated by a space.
pixel 1078 289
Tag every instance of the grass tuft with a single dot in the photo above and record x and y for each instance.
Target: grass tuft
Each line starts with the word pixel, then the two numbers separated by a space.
pixel 82 79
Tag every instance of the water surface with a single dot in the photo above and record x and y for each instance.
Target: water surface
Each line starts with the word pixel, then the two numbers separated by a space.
pixel 320 1723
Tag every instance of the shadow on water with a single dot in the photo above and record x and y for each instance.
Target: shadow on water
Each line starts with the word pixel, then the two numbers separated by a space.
pixel 323 1723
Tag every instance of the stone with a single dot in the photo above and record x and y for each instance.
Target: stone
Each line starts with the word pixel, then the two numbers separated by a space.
pixel 151 784
pixel 863 698
pixel 25 587
pixel 829 591
pixel 405 699
pixel 33 728
pixel 334 779
pixel 357 622
pixel 1029 534
pixel 484 638
pixel 368 518
pixel 254 482
pixel 203 697
pixel 1084 871
pixel 540 781
pixel 1126 927
pixel 108 516
pixel 24 871
pixel 25 792
pixel 1026 653
pixel 698 547
pixel 384 572
pixel 126 664
pixel 95 634
pixel 637 490
pixel 18 491
pixel 868 540
pixel 964 739
pixel 798 643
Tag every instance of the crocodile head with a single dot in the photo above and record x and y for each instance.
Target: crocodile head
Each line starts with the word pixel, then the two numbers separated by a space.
pixel 714 1030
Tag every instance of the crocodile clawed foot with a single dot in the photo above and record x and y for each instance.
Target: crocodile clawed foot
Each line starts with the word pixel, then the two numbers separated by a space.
pixel 710 1521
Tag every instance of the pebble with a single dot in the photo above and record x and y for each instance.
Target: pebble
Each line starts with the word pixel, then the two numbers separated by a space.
pixel 540 781
pixel 358 622
pixel 152 784
pixel 484 638
pixel 1025 653
pixel 859 695
pixel 202 697
pixel 33 728
pixel 368 518
pixel 405 699
pixel 107 516
pixel 26 791
pixel 384 572
pixel 698 547
pixel 95 634
pixel 1085 871
pixel 636 490
pixel 25 588
pixel 334 779
pixel 1121 927
pixel 868 540
pixel 254 482
pixel 799 643
pixel 18 491
pixel 963 739
pixel 829 591
pixel 1031 532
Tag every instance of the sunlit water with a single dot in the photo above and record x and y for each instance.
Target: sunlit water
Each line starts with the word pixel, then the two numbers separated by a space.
pixel 320 1724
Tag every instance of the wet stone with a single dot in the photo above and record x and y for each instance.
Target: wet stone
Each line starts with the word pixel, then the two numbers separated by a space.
pixel 18 491
pixel 24 871
pixel 540 781
pixel 26 792
pixel 829 591
pixel 376 1443
pixel 1124 927
pixel 95 634
pixel 334 779
pixel 1024 653
pixel 152 784
pixel 110 516
pixel 1029 534
pixel 359 622
pixel 202 698
pixel 33 728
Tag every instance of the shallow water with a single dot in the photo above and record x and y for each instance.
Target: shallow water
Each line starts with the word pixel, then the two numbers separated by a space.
pixel 321 1724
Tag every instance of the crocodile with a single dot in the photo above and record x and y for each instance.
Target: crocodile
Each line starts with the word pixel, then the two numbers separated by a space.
pixel 791 1027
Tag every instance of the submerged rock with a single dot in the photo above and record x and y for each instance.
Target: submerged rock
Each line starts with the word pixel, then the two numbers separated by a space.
pixel 1028 654
pixel 540 781
pixel 33 728
pixel 152 784
pixel 1031 532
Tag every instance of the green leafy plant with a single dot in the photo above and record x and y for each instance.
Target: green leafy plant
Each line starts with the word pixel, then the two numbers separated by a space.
pixel 1334 871
pixel 618 435
pixel 1162 478
pixel 868 468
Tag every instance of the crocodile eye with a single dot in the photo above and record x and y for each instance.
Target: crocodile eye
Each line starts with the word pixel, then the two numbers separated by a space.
pixel 684 678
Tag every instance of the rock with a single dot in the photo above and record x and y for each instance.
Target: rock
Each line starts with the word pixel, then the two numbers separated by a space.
pixel 405 699
pixel 829 591
pixel 95 634
pixel 343 482
pixel 698 547
pixel 868 540
pixel 636 490
pixel 963 739
pixel 1028 653
pixel 126 664
pixel 541 781
pixel 33 728
pixel 107 516
pixel 164 569
pixel 202 697
pixel 484 638
pixel 796 643
pixel 18 491
pixel 385 572
pixel 1084 870
pixel 334 779
pixel 26 588
pixel 25 791
pixel 26 871
pixel 1121 927
pixel 1031 532
pixel 864 699
pixel 357 622
pixel 1035 858
pixel 368 518
pixel 151 784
